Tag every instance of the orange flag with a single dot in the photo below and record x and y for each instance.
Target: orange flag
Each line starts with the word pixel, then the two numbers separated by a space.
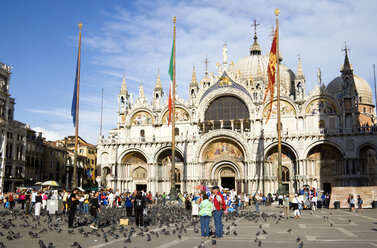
pixel 271 70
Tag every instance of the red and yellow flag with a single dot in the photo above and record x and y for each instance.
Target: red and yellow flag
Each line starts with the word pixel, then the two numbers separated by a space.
pixel 271 70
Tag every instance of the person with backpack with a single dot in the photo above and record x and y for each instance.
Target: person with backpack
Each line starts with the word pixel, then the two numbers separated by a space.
pixel 73 201
pixel 95 210
pixel 164 199
pixel 139 206
pixel 359 204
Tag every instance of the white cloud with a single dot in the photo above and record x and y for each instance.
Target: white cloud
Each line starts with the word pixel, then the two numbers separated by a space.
pixel 61 113
pixel 136 39
pixel 317 31
pixel 49 135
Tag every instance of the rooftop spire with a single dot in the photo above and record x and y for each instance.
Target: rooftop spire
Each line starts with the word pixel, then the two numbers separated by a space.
pixel 123 89
pixel 194 82
pixel 300 72
pixel 347 67
pixel 255 48
pixel 158 85
pixel 206 61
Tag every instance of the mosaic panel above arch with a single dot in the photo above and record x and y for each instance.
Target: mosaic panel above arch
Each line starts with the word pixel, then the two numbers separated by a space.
pixel 286 109
pixel 139 173
pixel 320 106
pixel 180 115
pixel 141 118
pixel 222 149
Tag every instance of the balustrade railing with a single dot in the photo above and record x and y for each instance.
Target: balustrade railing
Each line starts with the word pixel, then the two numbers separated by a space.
pixel 249 134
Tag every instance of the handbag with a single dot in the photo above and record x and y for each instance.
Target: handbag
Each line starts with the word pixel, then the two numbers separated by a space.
pixel 299 206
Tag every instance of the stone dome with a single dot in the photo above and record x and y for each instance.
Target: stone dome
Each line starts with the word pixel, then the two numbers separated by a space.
pixel 248 67
pixel 362 87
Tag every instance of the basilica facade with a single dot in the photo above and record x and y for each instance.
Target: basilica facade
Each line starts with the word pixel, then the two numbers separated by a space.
pixel 222 138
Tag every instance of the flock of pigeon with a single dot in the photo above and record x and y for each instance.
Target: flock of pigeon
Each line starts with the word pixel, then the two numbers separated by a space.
pixel 168 220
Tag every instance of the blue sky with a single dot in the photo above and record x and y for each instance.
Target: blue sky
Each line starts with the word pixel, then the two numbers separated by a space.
pixel 40 39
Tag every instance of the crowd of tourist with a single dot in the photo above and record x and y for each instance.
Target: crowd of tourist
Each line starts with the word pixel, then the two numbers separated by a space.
pixel 203 204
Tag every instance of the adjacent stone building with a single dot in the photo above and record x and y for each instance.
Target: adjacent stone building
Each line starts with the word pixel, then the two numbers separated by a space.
pixel 34 164
pixel 13 137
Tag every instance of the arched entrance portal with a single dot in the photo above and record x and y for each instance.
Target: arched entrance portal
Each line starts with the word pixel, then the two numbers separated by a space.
pixel 134 170
pixel 164 170
pixel 270 170
pixel 223 160
pixel 328 161
pixel 227 175
pixel 367 165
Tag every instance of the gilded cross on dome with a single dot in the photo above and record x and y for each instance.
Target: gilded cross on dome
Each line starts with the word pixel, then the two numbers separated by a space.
pixel 346 48
pixel 255 25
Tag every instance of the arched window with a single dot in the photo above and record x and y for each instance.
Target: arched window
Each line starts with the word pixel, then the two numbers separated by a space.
pixel 176 131
pixel 177 176
pixel 321 124
pixel 142 135
pixel 227 108
pixel 284 174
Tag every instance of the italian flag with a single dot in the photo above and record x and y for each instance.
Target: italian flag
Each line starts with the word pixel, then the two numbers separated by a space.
pixel 171 68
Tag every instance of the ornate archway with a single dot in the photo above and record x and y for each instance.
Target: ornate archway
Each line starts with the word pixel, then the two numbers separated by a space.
pixel 368 163
pixel 223 161
pixel 163 173
pixel 326 161
pixel 289 169
pixel 132 171
pixel 227 175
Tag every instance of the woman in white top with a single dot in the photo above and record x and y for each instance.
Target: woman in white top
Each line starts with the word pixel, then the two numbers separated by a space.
pixel 295 204
pixel 195 207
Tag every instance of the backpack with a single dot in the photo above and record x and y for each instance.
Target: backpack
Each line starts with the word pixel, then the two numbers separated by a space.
pixel 69 202
pixel 361 201
pixel 138 203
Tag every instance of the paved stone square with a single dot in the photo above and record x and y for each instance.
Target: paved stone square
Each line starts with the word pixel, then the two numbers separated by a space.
pixel 321 228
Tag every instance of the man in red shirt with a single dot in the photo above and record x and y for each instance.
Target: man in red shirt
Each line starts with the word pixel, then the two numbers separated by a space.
pixel 219 207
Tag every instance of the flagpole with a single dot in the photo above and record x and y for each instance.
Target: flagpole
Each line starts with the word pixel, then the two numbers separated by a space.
pixel 173 192
pixel 374 79
pixel 280 185
pixel 74 177
pixel 100 129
